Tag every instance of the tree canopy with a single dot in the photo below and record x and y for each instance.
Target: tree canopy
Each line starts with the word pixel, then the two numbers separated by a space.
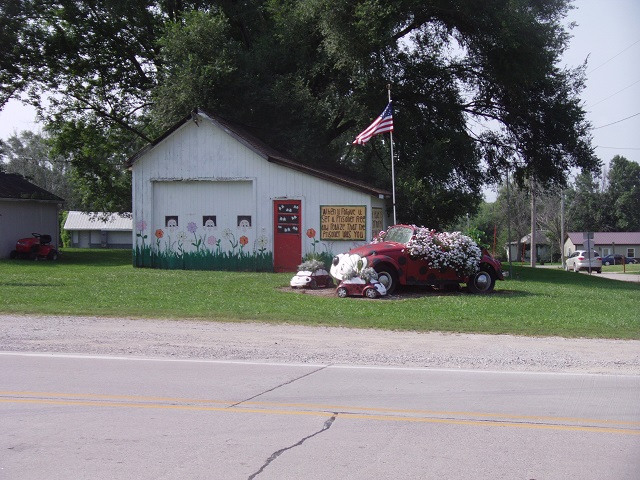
pixel 477 87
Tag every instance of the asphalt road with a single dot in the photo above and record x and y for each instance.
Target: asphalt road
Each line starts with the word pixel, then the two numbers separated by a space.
pixel 113 417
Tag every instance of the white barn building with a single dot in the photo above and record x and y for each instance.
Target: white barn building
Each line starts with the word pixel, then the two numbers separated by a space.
pixel 209 195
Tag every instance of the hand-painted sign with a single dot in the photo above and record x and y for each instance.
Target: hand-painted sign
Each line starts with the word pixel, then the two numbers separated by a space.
pixel 343 222
pixel 377 221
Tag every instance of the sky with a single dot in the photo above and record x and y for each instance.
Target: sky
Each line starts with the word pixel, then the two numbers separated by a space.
pixel 606 34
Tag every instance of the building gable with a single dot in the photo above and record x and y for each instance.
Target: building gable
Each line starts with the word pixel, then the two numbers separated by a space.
pixel 243 136
pixel 16 187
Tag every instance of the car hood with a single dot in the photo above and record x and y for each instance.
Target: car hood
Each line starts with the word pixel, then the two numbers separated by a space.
pixel 382 248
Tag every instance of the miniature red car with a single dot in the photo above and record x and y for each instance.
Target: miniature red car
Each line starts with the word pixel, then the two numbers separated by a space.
pixel 35 247
pixel 389 258
pixel 357 286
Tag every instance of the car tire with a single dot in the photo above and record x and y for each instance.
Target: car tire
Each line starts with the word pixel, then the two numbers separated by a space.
pixel 599 270
pixel 371 293
pixel 342 292
pixel 387 276
pixel 482 281
pixel 575 268
pixel 13 255
pixel 607 263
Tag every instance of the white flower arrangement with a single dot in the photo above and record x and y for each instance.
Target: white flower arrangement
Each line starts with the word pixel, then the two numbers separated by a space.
pixel 368 274
pixel 312 265
pixel 445 250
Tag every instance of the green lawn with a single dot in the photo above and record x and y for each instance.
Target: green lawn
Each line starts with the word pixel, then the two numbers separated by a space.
pixel 104 283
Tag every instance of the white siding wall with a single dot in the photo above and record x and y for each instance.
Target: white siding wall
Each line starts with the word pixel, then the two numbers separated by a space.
pixel 203 170
pixel 19 219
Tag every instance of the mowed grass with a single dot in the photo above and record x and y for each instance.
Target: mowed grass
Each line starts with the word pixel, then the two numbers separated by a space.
pixel 538 302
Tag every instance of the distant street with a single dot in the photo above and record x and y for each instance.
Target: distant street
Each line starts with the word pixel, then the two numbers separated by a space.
pixel 108 417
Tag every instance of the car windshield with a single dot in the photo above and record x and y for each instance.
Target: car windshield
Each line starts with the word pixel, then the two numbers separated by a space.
pixel 398 234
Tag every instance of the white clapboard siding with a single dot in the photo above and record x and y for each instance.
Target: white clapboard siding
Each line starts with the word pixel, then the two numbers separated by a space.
pixel 204 169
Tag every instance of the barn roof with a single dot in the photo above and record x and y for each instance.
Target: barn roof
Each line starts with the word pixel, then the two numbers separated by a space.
pixel 102 221
pixel 242 134
pixel 606 238
pixel 15 187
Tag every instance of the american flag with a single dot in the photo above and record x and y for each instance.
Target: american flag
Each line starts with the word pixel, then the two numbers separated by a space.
pixel 384 123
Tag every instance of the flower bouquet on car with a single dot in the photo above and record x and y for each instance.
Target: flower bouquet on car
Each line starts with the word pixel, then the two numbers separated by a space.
pixel 442 250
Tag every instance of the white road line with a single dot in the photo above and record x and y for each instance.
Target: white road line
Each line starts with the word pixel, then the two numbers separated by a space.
pixel 307 365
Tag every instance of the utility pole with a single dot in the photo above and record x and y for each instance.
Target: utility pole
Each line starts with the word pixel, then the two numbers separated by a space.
pixel 534 217
pixel 562 227
pixel 509 227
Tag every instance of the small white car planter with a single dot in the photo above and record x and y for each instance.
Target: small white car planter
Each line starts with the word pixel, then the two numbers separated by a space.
pixel 307 279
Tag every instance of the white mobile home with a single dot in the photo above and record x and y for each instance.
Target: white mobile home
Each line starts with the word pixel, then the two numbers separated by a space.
pixel 209 195
pixel 99 229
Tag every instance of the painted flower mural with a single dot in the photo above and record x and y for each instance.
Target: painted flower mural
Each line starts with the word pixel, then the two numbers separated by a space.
pixel 196 247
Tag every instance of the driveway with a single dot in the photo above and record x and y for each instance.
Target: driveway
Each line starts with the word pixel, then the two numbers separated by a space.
pixel 623 277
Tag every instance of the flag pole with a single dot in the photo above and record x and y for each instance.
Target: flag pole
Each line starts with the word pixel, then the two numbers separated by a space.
pixel 393 175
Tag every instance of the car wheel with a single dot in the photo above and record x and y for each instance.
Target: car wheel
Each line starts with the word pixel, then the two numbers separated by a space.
pixel 607 263
pixel 599 270
pixel 482 281
pixel 342 292
pixel 371 293
pixel 387 276
pixel 576 268
pixel 13 255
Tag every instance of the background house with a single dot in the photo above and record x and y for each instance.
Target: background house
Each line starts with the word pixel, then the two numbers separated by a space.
pixel 209 195
pixel 521 251
pixel 25 209
pixel 605 243
pixel 99 230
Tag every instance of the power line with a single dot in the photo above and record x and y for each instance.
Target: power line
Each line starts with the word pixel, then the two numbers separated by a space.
pixel 618 121
pixel 619 148
pixel 613 94
pixel 616 55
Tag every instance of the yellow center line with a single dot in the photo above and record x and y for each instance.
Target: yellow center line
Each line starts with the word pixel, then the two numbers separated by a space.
pixel 181 404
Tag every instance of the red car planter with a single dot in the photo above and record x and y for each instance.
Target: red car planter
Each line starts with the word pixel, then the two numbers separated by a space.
pixel 357 286
pixel 389 256
pixel 35 247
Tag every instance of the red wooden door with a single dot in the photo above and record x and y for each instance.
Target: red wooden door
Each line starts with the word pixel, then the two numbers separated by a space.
pixel 287 239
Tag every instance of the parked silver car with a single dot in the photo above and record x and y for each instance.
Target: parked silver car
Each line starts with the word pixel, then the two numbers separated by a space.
pixel 581 260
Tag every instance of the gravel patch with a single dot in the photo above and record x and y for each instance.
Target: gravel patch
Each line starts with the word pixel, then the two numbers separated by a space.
pixel 313 345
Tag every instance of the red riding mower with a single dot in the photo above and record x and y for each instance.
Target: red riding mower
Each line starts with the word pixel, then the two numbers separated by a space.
pixel 36 247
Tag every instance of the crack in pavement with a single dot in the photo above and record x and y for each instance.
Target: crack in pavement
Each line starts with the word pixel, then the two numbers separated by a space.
pixel 325 427
pixel 278 386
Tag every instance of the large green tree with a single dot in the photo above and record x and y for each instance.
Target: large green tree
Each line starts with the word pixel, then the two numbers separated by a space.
pixel 476 86
pixel 623 194
pixel 30 155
